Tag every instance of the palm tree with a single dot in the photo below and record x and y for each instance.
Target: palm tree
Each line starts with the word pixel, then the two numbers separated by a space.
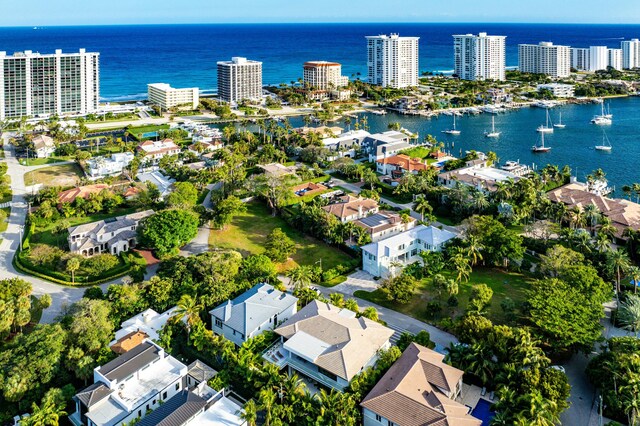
pixel 423 207
pixel 591 214
pixel 47 414
pixel 370 177
pixel 189 308
pixel 300 277
pixel 619 262
pixel 73 264
pixel 250 414
pixel 474 249
pixel 626 190
pixel 629 314
pixel 267 400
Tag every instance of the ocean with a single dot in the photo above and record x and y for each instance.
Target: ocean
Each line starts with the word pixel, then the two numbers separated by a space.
pixel 186 55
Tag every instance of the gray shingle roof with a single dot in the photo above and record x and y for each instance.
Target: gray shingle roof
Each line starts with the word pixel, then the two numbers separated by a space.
pixel 93 393
pixel 253 307
pixel 200 371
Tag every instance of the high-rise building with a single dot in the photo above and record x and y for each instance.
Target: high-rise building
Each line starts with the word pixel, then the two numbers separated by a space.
pixel 580 58
pixel 598 58
pixel 323 75
pixel 630 54
pixel 166 97
pixel 615 58
pixel 392 60
pixel 545 58
pixel 32 84
pixel 239 79
pixel 479 57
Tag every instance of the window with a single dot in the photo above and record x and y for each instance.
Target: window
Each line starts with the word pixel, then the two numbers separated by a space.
pixel 390 423
pixel 139 413
pixel 154 402
pixel 378 418
pixel 218 323
pixel 164 395
pixel 177 386
pixel 148 408
pixel 401 247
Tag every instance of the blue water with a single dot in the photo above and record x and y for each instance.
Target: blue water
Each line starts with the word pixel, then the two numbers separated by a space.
pixel 572 146
pixel 482 411
pixel 186 55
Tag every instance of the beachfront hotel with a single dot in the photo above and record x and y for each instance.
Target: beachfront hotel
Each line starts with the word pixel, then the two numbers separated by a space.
pixel 323 75
pixel 630 54
pixel 239 79
pixel 165 96
pixel 392 61
pixel 33 84
pixel 479 57
pixel 545 58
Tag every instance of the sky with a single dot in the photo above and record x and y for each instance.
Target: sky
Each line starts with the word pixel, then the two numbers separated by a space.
pixel 104 12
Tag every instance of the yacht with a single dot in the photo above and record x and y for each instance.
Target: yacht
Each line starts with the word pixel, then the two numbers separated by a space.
pixel 540 147
pixel 545 128
pixel 559 124
pixel 452 131
pixel 608 114
pixel 492 133
pixel 606 145
pixel 602 119
pixel 516 168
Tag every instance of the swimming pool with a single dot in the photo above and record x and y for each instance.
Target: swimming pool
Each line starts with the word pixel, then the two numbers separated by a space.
pixel 483 412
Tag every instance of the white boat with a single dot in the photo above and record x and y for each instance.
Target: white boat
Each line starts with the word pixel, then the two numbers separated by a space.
pixel 602 119
pixel 608 114
pixel 452 131
pixel 545 128
pixel 492 133
pixel 540 147
pixel 559 124
pixel 606 145
pixel 378 112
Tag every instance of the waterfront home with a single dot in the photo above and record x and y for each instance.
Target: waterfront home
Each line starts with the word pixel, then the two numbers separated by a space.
pixel 623 213
pixel 397 165
pixel 403 248
pixel 146 324
pixel 349 208
pixel 258 309
pixel 201 146
pixel 386 144
pixel 113 236
pixel 478 175
pixel 128 387
pixel 328 345
pixel 419 389
pixel 385 224
pixel 153 151
pixel 558 90
pixel 99 167
pixel 345 144
pixel 43 146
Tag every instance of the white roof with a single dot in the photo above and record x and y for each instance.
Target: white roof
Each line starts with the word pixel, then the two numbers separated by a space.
pixel 158 179
pixel 428 234
pixel 148 321
pixel 347 136
pixel 306 346
pixel 223 412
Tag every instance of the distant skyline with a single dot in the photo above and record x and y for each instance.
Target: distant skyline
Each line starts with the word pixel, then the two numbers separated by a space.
pixel 127 12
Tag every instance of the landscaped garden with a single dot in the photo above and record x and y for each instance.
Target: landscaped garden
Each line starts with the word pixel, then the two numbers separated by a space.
pixel 505 286
pixel 248 232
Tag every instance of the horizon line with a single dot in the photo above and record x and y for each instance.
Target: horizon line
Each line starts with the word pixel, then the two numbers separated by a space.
pixel 316 23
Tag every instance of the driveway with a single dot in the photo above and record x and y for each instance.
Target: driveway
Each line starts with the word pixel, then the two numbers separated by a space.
pixel 359 280
pixel 61 296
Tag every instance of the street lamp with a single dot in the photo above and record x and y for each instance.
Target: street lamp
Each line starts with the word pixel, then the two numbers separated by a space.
pixel 320 262
pixel 21 230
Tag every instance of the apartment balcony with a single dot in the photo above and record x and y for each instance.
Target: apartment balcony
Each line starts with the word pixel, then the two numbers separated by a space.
pixel 311 371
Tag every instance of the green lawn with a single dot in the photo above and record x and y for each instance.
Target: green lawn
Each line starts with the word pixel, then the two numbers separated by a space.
pixel 504 284
pixel 4 224
pixel 135 131
pixel 62 175
pixel 49 160
pixel 248 232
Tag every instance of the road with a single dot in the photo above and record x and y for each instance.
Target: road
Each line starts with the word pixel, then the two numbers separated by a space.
pixel 61 296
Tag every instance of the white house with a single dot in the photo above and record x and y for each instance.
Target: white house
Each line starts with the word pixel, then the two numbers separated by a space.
pixel 113 236
pixel 153 151
pixel 99 167
pixel 128 387
pixel 43 146
pixel 559 90
pixel 327 344
pixel 404 248
pixel 162 182
pixel 385 224
pixel 148 322
pixel 260 308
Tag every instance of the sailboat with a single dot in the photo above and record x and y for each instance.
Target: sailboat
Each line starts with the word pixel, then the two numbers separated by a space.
pixel 453 131
pixel 608 114
pixel 603 118
pixel 606 145
pixel 559 124
pixel 540 147
pixel 492 133
pixel 545 128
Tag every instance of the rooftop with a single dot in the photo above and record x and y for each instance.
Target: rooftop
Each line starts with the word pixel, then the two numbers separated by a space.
pixel 349 206
pixel 252 308
pixel 70 195
pixel 410 393
pixel 149 322
pixel 428 234
pixel 333 338
pixel 223 412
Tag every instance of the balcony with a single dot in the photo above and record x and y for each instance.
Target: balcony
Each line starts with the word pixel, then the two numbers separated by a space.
pixel 312 372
